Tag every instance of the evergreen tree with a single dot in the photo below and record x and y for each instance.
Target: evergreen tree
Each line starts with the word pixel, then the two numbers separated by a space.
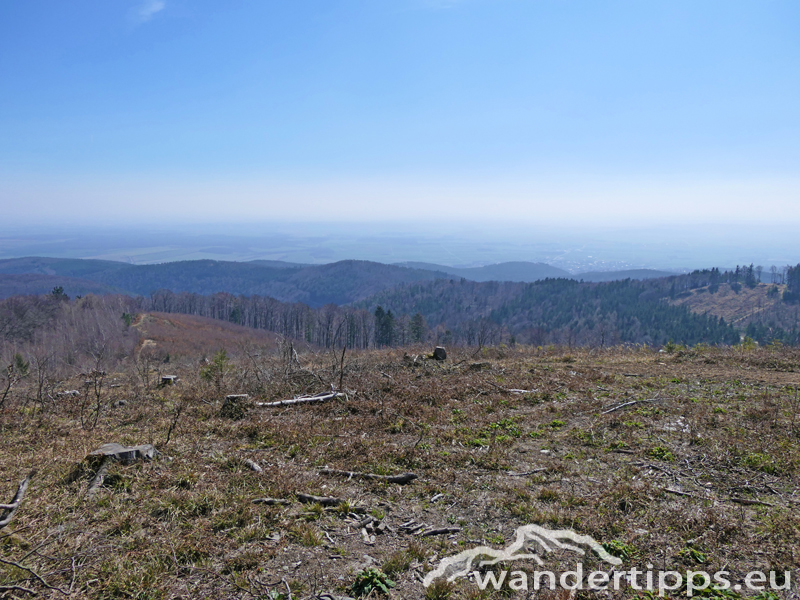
pixel 417 328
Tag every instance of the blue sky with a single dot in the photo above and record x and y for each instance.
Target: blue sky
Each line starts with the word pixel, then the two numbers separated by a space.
pixel 504 110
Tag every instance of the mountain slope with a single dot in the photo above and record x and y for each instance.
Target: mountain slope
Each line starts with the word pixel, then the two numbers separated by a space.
pixel 316 285
pixel 598 276
pixel 34 284
pixel 507 271
pixel 553 311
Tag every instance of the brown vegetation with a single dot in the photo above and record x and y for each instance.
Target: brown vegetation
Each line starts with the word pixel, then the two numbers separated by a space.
pixel 190 336
pixel 688 458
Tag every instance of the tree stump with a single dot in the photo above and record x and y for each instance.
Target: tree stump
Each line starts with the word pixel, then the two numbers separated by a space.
pixel 235 406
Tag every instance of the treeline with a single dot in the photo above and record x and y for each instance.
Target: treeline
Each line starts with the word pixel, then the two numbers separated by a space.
pixel 553 311
pixel 450 312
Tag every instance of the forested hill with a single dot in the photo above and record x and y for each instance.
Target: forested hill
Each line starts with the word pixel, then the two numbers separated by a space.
pixel 553 311
pixel 316 285
pixel 507 271
pixel 528 272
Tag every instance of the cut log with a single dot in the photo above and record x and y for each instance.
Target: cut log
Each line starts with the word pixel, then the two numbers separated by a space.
pixel 323 397
pixel 11 508
pixel 399 479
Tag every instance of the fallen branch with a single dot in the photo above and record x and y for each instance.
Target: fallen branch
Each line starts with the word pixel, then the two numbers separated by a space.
pixel 11 508
pixel 253 465
pixel 624 405
pixel 523 474
pixel 99 477
pixel 680 493
pixel 271 501
pixel 17 588
pixel 399 479
pixel 411 527
pixel 512 390
pixel 748 502
pixel 323 397
pixel 323 500
pixel 38 577
pixel 442 531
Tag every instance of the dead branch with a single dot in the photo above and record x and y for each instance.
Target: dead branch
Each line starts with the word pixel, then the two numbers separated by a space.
pixel 323 500
pixel 512 390
pixel 17 588
pixel 11 508
pixel 399 479
pixel 99 477
pixel 524 473
pixel 271 501
pixel 748 502
pixel 35 575
pixel 441 531
pixel 624 405
pixel 680 493
pixel 253 465
pixel 322 397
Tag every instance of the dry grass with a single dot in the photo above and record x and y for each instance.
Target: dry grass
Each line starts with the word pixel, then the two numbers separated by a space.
pixel 721 424
pixel 194 337
pixel 742 307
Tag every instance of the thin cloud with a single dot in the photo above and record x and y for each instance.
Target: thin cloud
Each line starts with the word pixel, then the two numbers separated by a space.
pixel 147 10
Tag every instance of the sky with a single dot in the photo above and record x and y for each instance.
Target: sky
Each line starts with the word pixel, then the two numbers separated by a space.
pixel 523 111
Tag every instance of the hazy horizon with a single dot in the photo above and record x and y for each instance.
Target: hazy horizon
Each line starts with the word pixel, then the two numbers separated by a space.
pixel 574 249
